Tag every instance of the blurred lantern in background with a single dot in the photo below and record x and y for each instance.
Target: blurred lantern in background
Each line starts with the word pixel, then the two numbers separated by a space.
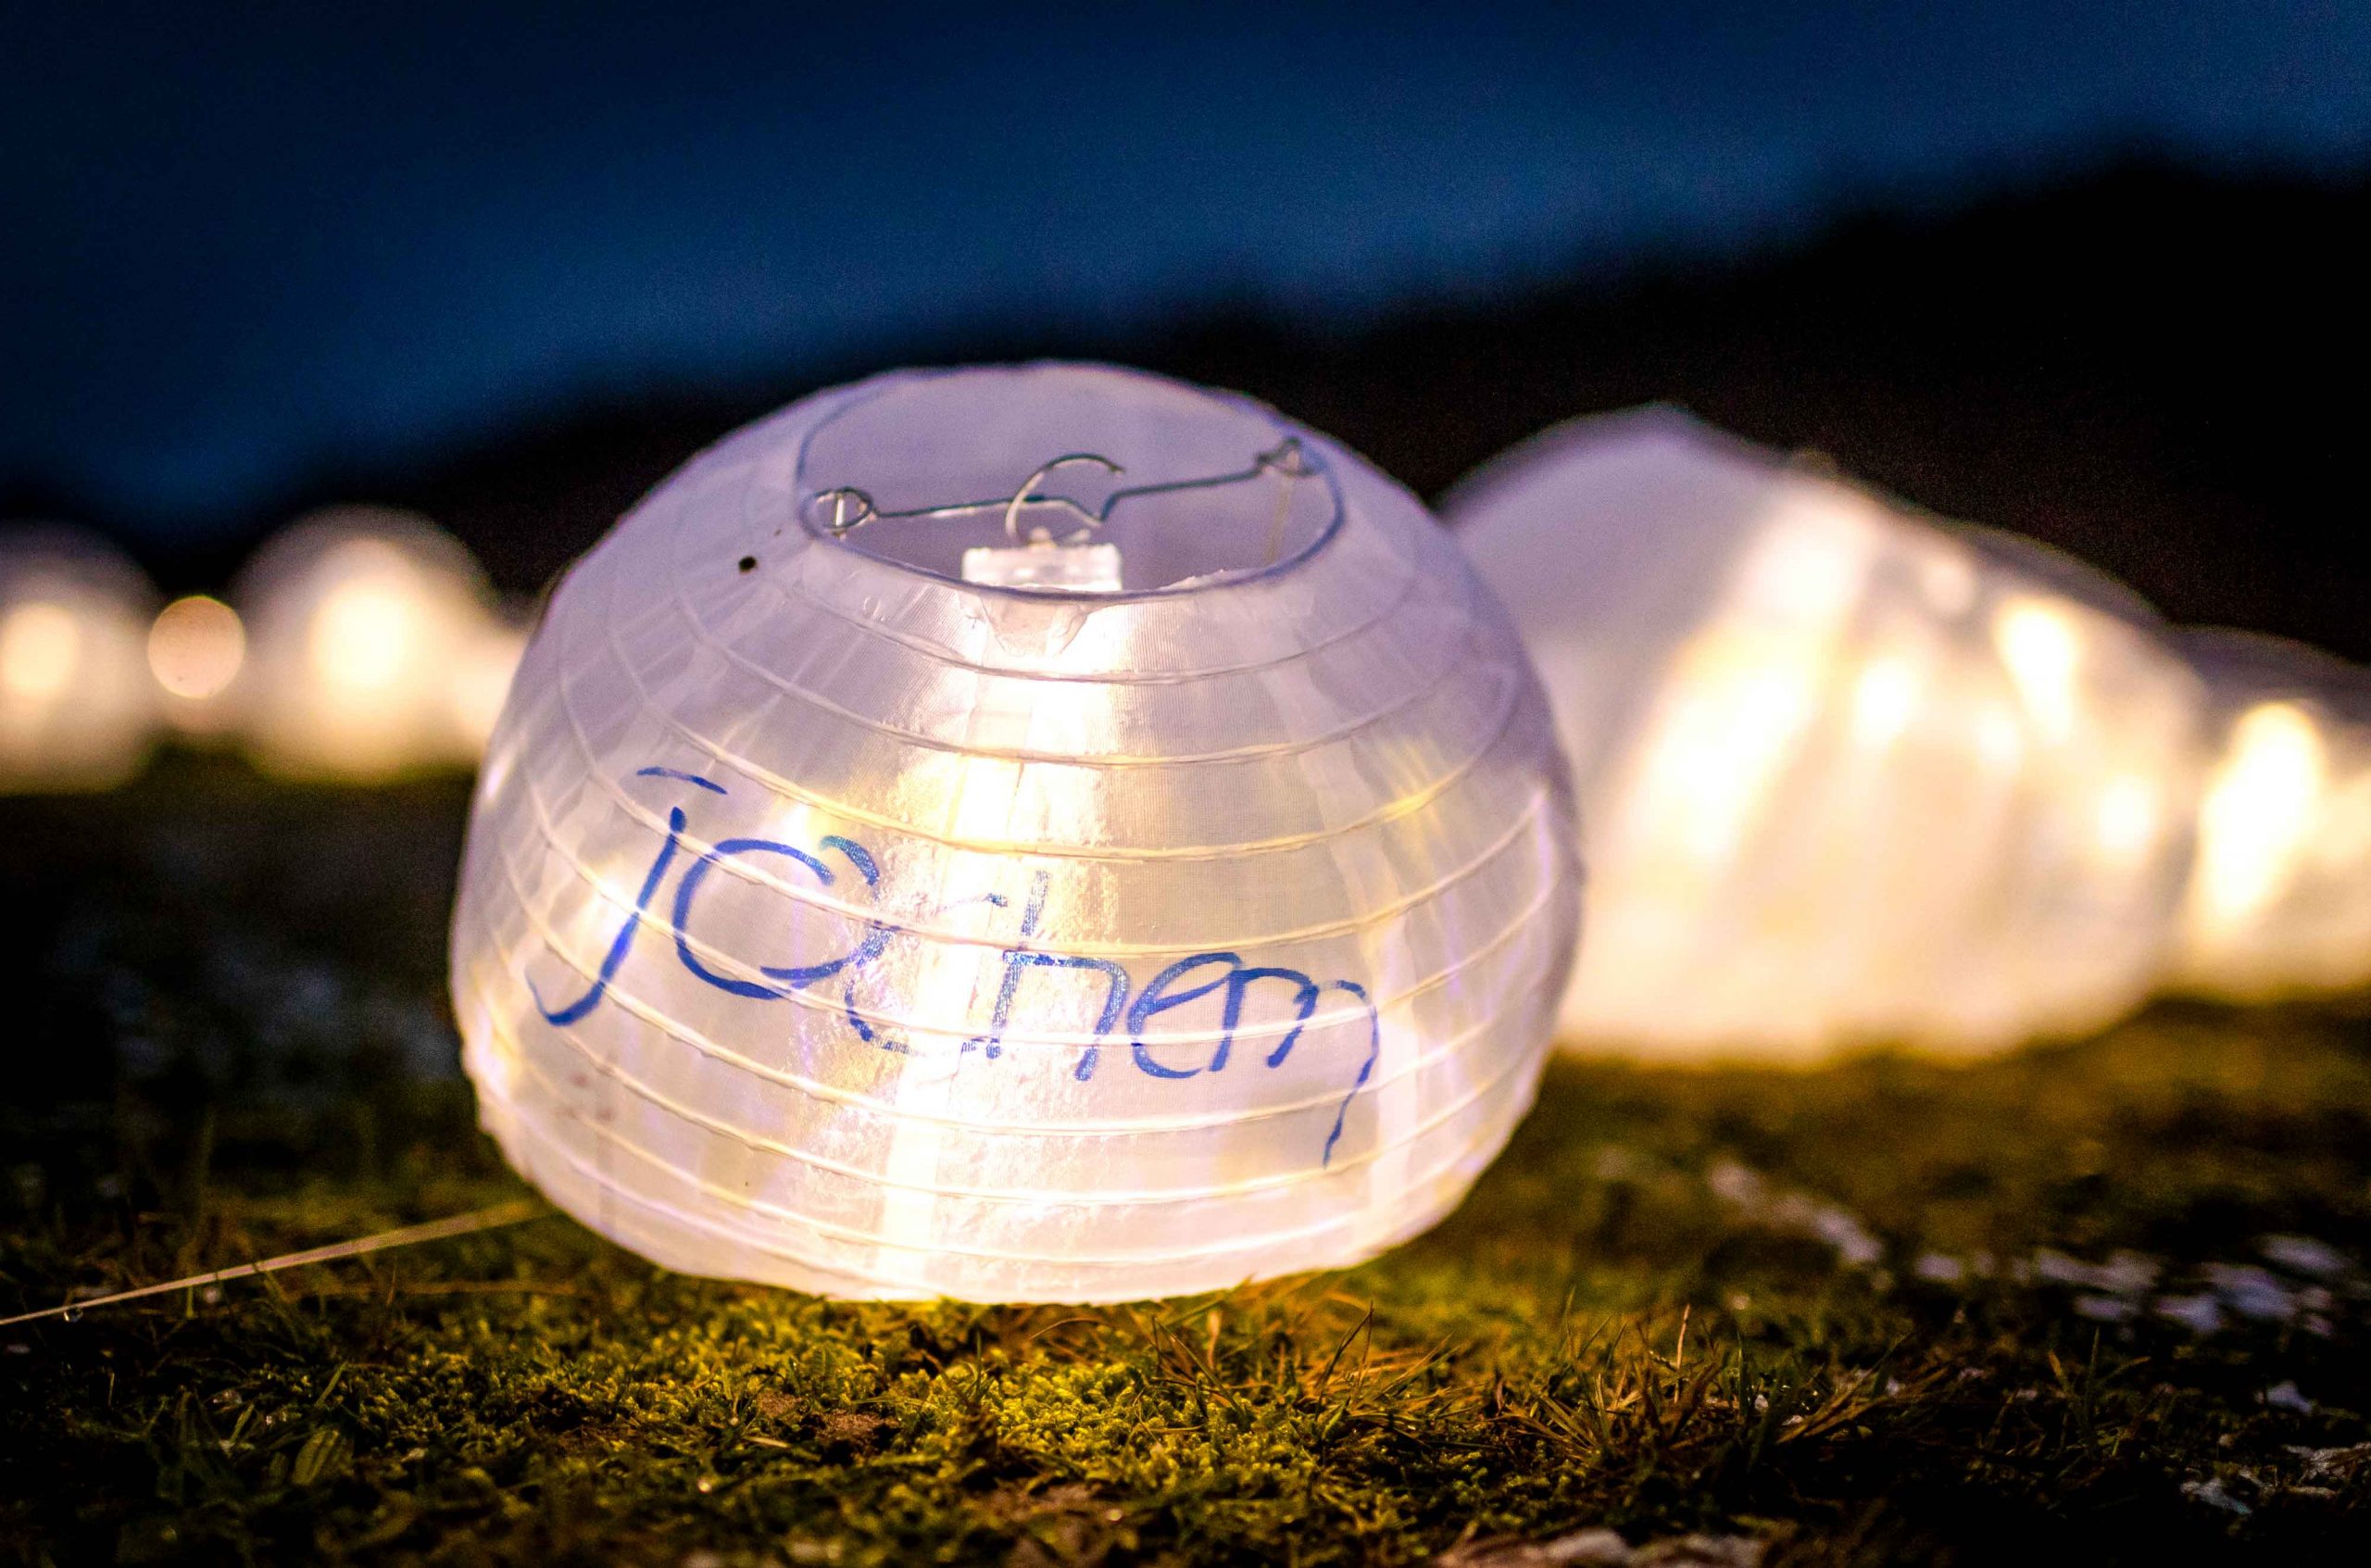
pixel 480 680
pixel 1035 834
pixel 1846 774
pixel 2280 899
pixel 196 649
pixel 77 708
pixel 374 648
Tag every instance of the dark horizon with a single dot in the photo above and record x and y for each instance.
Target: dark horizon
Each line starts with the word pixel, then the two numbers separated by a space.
pixel 2118 364
pixel 261 257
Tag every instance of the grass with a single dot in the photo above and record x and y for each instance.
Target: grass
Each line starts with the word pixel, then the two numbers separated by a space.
pixel 2105 1297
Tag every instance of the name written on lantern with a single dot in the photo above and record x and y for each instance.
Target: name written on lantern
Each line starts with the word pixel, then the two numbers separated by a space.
pixel 1127 1007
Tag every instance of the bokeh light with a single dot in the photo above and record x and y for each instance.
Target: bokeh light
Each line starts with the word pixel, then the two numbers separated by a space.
pixel 77 708
pixel 196 649
pixel 375 648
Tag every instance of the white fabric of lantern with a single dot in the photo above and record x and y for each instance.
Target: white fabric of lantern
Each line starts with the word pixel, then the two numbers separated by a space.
pixel 1846 775
pixel 78 710
pixel 374 648
pixel 1185 903
pixel 2279 900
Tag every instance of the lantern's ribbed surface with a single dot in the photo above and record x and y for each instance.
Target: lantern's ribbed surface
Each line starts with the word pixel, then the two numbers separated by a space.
pixel 1847 775
pixel 2279 899
pixel 830 921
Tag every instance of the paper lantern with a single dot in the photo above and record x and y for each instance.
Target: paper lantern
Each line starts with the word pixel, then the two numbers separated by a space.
pixel 77 708
pixel 480 680
pixel 1033 833
pixel 2279 901
pixel 1846 775
pixel 369 631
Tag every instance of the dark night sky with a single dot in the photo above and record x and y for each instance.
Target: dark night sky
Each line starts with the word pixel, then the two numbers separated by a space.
pixel 240 242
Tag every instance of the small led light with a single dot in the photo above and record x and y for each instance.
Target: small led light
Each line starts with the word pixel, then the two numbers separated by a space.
pixel 1070 569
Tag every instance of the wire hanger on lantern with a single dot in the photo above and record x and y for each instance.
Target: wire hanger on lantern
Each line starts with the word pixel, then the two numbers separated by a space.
pixel 844 508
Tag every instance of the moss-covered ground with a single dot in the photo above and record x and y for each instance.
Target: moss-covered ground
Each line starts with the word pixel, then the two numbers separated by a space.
pixel 2105 1297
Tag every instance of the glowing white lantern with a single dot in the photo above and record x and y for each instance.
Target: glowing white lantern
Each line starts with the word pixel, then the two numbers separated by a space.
pixel 374 648
pixel 77 709
pixel 1845 774
pixel 1023 833
pixel 2280 899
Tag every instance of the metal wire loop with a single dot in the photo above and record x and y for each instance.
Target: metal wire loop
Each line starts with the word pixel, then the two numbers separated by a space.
pixel 845 508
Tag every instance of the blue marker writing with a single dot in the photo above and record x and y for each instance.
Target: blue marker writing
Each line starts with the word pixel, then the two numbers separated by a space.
pixel 1186 981
pixel 623 941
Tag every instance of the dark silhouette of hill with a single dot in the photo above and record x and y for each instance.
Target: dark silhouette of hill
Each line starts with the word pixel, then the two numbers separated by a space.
pixel 2159 370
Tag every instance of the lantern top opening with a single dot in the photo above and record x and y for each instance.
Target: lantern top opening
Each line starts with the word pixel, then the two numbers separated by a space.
pixel 964 474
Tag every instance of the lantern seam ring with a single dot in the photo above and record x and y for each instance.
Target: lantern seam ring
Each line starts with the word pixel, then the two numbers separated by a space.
pixel 1475 1093
pixel 880 1243
pixel 707 633
pixel 1451 878
pixel 817 1089
pixel 1420 693
pixel 712 639
pixel 949 658
pixel 775 783
pixel 1440 885
pixel 1441 888
pixel 1434 981
pixel 888 1112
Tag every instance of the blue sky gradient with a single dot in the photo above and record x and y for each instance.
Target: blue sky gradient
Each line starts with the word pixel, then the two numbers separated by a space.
pixel 239 243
